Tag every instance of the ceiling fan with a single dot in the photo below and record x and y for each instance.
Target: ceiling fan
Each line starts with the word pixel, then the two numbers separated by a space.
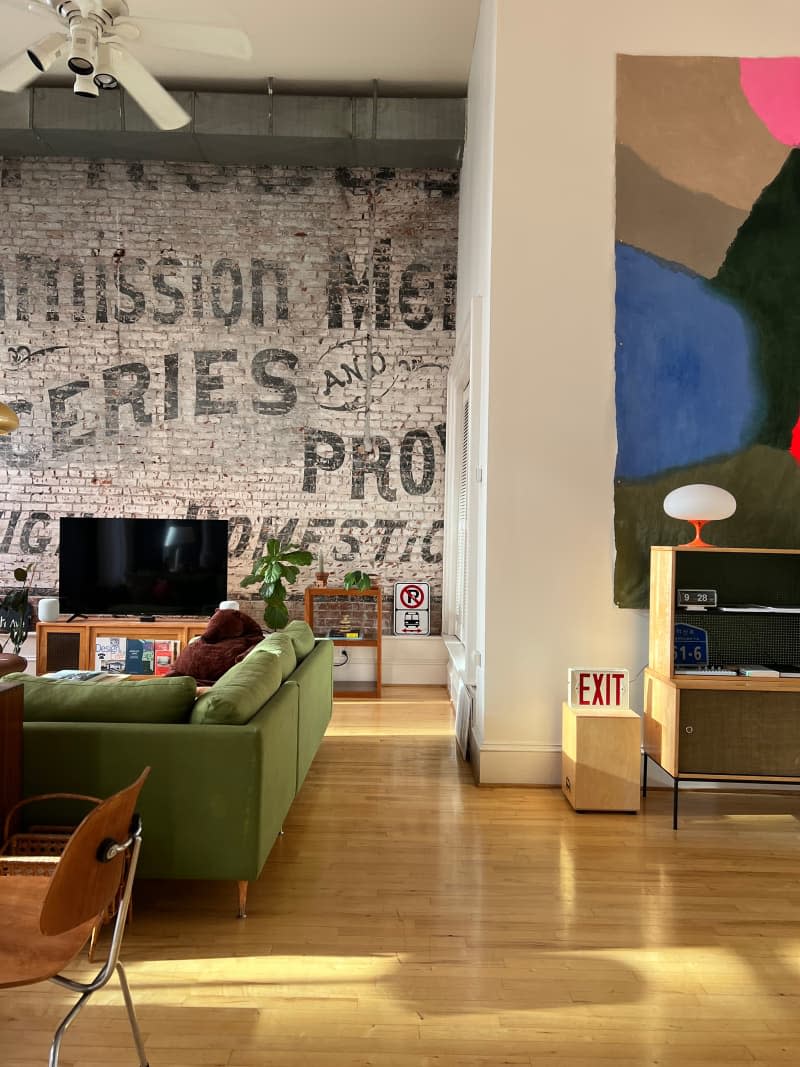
pixel 93 40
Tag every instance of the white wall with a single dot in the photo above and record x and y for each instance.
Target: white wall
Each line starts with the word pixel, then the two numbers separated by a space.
pixel 551 444
pixel 473 311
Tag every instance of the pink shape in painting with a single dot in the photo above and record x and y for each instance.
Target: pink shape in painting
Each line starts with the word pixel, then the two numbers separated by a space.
pixel 772 88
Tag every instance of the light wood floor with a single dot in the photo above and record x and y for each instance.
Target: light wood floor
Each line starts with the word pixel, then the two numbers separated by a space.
pixel 409 919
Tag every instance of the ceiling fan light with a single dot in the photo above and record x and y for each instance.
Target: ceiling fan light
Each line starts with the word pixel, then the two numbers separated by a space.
pixel 44 53
pixel 83 47
pixel 81 66
pixel 85 86
pixel 103 76
pixel 105 81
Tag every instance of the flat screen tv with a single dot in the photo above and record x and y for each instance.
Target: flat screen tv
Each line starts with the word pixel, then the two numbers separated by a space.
pixel 142 566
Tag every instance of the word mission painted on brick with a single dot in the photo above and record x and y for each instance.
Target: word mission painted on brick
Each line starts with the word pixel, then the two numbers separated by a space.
pixel 195 341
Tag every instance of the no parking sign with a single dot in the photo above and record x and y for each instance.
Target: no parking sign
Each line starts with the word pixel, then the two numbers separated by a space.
pixel 412 608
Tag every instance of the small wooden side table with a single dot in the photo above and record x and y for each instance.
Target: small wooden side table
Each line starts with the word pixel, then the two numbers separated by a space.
pixel 351 689
pixel 600 758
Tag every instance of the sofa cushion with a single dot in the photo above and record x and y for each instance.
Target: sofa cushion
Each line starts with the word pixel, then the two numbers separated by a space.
pixel 240 692
pixel 302 637
pixel 279 645
pixel 152 700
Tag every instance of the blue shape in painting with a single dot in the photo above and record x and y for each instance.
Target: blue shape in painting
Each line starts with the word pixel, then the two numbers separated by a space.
pixel 686 387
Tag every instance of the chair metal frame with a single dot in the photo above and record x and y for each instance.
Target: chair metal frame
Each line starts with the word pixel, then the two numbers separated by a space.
pixel 133 846
pixel 67 912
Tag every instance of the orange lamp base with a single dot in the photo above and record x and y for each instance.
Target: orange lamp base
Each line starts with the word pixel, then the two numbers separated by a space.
pixel 698 541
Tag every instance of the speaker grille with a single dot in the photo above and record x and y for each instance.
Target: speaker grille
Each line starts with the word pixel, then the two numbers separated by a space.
pixel 62 652
pixel 747 638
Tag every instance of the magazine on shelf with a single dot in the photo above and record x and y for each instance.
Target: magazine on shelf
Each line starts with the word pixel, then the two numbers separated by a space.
pixel 139 656
pixel 165 654
pixel 109 654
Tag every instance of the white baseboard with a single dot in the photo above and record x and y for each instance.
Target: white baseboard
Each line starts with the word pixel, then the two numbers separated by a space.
pixel 516 765
pixel 405 661
pixel 414 661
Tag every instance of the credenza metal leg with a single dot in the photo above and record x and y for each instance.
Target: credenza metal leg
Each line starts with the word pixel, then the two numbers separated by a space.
pixel 676 782
pixel 644 774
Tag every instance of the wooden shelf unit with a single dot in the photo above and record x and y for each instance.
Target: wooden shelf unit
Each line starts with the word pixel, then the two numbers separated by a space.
pixel 727 728
pixel 314 593
pixel 71 645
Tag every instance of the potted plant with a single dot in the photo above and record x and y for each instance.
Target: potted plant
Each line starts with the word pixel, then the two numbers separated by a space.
pixel 281 564
pixel 357 580
pixel 15 618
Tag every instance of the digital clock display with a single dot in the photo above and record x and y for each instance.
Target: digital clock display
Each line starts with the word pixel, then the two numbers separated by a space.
pixel 697 598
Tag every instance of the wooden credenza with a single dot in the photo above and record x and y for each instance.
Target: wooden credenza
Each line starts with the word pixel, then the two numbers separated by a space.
pixel 723 728
pixel 72 645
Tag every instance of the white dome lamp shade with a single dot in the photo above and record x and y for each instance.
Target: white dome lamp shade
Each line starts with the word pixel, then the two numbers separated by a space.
pixel 699 504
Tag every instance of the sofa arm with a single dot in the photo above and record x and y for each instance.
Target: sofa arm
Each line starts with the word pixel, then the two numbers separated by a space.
pixel 216 796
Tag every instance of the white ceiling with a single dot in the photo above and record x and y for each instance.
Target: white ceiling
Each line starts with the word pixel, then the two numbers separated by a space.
pixel 333 46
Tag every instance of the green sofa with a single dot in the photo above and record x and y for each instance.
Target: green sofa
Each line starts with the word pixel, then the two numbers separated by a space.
pixel 225 768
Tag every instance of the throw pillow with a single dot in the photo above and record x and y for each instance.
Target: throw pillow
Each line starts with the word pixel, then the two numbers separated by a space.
pixel 302 637
pixel 240 692
pixel 279 645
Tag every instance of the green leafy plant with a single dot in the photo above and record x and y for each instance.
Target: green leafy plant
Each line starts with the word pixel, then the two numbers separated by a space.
pixel 357 580
pixel 15 614
pixel 280 565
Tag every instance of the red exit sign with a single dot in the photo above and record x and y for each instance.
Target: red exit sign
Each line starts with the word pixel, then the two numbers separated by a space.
pixel 592 688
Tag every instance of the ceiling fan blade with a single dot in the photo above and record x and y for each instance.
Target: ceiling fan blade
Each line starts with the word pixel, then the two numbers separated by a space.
pixel 149 94
pixel 185 36
pixel 17 73
pixel 36 7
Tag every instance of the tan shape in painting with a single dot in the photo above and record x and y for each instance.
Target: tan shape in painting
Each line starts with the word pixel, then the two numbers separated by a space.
pixel 670 221
pixel 688 119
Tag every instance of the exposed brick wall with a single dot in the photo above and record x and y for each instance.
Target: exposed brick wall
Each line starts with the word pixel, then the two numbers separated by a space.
pixel 333 612
pixel 184 339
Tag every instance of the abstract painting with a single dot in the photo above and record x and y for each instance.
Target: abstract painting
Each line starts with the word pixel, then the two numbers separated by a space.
pixel 707 301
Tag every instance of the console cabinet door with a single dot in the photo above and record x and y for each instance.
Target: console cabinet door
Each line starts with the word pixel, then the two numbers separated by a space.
pixel 750 734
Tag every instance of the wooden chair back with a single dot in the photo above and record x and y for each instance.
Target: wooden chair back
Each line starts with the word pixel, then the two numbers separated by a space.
pixel 83 886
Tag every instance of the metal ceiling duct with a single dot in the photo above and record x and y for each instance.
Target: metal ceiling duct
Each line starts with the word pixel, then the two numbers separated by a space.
pixel 239 128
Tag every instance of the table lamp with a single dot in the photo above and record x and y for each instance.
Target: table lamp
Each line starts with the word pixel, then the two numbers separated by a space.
pixel 699 504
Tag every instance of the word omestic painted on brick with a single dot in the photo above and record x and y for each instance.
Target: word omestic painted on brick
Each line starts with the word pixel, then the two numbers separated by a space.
pixel 182 339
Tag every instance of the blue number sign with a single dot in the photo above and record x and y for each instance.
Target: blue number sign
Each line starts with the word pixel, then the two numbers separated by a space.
pixel 691 646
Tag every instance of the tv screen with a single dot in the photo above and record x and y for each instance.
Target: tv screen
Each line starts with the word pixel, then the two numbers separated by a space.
pixel 142 566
